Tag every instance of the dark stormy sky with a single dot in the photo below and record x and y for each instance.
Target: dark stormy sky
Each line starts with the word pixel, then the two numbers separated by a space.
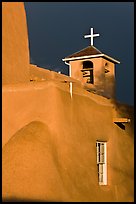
pixel 56 30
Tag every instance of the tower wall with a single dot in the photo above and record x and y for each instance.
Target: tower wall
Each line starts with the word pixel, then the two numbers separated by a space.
pixel 15 52
pixel 103 74
pixel 109 85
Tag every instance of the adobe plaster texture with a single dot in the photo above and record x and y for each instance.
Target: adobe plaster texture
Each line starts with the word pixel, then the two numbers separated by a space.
pixel 49 138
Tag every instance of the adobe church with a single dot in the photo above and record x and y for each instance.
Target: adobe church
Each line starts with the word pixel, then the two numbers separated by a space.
pixel 64 138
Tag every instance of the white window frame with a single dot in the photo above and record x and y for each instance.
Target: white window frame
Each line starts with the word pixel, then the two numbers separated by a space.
pixel 101 148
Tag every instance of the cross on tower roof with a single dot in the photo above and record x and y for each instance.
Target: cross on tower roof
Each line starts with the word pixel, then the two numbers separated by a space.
pixel 91 36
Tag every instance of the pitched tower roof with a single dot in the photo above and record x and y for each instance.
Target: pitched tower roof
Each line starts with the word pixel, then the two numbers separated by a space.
pixel 88 52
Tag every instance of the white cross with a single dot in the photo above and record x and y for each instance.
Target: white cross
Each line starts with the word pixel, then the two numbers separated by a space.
pixel 91 36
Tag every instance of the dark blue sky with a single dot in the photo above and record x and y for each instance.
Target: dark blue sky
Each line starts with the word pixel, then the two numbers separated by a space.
pixel 56 30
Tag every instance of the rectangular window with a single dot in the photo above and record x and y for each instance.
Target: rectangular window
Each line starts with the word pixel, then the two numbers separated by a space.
pixel 101 148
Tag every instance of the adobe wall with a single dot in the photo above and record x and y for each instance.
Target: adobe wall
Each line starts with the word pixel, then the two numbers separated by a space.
pixel 110 82
pixel 104 83
pixel 77 65
pixel 41 74
pixel 54 156
pixel 15 52
pixel 68 147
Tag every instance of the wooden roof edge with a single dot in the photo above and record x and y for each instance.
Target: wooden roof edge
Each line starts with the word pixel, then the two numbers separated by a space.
pixel 121 120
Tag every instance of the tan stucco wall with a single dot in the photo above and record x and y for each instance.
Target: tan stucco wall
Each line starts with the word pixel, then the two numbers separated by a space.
pixel 103 83
pixel 59 156
pixel 15 53
pixel 41 74
pixel 110 82
pixel 49 138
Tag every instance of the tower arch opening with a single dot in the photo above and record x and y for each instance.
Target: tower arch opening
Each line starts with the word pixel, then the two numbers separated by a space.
pixel 88 71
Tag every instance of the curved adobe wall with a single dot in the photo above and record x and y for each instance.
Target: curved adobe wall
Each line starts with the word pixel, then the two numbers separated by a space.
pixel 15 52
pixel 50 146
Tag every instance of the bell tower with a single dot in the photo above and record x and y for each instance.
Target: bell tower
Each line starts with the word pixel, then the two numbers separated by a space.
pixel 93 68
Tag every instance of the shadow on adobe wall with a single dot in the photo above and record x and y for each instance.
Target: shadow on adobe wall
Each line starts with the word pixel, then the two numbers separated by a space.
pixel 14 199
pixel 121 125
